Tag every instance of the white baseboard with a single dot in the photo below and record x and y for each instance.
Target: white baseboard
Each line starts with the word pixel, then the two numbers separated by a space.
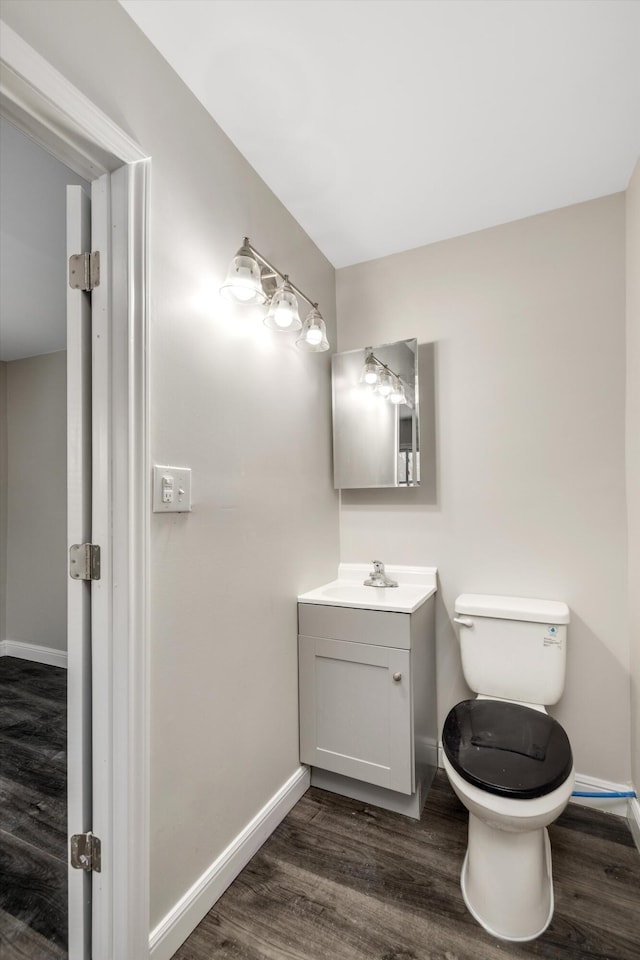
pixel 187 913
pixel 634 820
pixel 618 805
pixel 31 651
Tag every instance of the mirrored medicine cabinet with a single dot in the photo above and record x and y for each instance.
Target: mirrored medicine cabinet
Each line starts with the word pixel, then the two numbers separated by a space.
pixel 375 416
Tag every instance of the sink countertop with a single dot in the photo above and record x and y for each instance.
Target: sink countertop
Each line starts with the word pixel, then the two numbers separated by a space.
pixel 415 586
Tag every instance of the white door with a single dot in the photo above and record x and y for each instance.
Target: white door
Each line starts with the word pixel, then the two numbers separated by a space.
pixel 79 766
pixel 103 518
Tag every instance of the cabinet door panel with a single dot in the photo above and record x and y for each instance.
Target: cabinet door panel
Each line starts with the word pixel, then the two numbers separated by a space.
pixel 355 719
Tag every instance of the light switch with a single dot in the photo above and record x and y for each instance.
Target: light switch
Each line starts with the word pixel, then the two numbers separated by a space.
pixel 171 489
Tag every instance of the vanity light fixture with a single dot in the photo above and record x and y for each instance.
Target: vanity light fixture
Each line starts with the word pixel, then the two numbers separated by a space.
pixel 244 282
pixel 383 379
pixel 313 336
pixel 385 383
pixel 253 279
pixel 283 313
pixel 370 371
pixel 397 394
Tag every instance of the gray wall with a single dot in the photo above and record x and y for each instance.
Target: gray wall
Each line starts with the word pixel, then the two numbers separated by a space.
pixel 528 324
pixel 36 542
pixel 633 456
pixel 250 415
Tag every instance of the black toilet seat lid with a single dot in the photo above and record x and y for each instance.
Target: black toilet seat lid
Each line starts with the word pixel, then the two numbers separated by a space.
pixel 507 748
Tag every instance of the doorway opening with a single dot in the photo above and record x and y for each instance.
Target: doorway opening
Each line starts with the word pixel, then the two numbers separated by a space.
pixel 33 533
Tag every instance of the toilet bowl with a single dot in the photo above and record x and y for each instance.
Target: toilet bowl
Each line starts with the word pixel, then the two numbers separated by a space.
pixel 506 876
pixel 508 761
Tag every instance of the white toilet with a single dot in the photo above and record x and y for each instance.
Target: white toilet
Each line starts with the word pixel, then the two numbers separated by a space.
pixel 508 761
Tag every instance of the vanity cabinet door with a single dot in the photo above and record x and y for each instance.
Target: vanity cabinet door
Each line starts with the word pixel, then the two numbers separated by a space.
pixel 355 711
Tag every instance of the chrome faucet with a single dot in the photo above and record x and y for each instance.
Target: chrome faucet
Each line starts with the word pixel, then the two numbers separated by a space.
pixel 378 577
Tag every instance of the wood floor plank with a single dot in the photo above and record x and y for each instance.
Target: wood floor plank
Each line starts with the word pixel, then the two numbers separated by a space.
pixel 606 826
pixel 33 817
pixel 39 679
pixel 39 724
pixel 34 888
pixel 19 942
pixel 33 833
pixel 28 766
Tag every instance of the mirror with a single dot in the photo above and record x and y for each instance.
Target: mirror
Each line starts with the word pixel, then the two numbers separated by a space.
pixel 375 416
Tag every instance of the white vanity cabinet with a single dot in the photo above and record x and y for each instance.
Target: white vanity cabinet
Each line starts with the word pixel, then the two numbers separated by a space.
pixel 367 702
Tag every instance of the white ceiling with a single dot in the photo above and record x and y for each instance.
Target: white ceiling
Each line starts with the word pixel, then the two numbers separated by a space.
pixel 383 125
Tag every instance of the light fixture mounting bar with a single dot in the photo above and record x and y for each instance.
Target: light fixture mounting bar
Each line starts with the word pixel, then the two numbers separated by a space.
pixel 267 263
pixel 371 358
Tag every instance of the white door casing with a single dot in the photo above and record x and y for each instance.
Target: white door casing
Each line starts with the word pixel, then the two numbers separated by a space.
pixel 45 106
pixel 78 591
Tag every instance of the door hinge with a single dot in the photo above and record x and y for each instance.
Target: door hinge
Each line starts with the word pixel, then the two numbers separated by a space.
pixel 84 561
pixel 84 271
pixel 85 852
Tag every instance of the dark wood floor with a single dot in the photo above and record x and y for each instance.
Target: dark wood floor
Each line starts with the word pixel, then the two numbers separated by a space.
pixel 33 811
pixel 336 881
pixel 342 881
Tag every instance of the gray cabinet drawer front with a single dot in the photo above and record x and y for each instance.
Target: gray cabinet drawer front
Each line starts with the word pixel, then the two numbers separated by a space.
pixel 377 627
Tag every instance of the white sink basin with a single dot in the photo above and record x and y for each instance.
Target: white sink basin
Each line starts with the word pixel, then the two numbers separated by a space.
pixel 415 585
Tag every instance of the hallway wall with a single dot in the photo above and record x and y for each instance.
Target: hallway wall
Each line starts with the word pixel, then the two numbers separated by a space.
pixel 36 496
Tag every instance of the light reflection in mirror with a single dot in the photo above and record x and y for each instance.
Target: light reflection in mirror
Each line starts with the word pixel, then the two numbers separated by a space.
pixel 376 416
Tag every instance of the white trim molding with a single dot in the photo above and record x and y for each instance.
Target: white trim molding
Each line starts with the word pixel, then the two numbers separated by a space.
pixel 59 117
pixel 617 805
pixel 130 511
pixel 32 651
pixel 634 820
pixel 187 913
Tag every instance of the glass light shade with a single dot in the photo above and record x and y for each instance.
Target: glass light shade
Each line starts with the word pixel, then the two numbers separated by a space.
pixel 243 283
pixel 385 384
pixel 370 373
pixel 313 336
pixel 397 394
pixel 283 310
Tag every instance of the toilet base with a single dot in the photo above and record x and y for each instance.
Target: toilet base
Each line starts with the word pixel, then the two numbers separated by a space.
pixel 507 882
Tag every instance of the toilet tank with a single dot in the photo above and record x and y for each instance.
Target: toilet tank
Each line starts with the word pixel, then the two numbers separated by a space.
pixel 513 648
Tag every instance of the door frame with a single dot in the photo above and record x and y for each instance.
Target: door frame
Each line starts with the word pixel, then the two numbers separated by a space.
pixel 55 114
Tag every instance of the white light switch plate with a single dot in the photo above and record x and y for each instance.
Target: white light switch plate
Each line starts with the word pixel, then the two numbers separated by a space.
pixel 171 489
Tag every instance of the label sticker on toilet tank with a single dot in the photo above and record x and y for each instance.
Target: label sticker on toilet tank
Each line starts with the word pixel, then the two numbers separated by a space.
pixel 551 638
